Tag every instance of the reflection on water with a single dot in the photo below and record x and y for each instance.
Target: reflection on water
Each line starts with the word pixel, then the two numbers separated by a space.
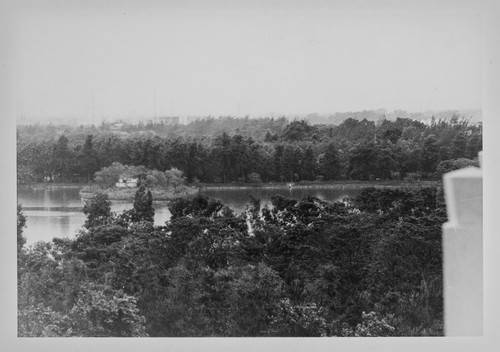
pixel 51 212
pixel 58 212
pixel 238 200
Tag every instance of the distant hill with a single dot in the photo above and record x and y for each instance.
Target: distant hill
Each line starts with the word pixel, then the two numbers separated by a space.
pixel 474 115
pixel 379 114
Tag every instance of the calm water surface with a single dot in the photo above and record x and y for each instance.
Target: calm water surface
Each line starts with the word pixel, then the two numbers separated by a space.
pixel 58 211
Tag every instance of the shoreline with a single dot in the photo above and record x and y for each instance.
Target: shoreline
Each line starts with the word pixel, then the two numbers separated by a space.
pixel 162 195
pixel 327 185
pixel 127 194
pixel 51 185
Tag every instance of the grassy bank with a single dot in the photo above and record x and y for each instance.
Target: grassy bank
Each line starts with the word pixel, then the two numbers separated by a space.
pixel 127 194
pixel 51 185
pixel 161 195
pixel 317 184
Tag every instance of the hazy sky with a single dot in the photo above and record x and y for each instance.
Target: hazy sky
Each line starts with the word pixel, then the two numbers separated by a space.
pixel 243 62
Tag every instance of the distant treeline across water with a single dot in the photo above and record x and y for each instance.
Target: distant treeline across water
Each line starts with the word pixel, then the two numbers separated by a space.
pixel 256 150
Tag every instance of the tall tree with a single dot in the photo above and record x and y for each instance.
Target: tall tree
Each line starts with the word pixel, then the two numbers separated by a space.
pixel 308 165
pixel 21 224
pixel 98 210
pixel 239 158
pixel 277 161
pixel 386 160
pixel 362 164
pixel 89 162
pixel 475 145
pixel 330 164
pixel 459 145
pixel 143 205
pixel 61 157
pixel 222 153
pixel 430 156
pixel 290 163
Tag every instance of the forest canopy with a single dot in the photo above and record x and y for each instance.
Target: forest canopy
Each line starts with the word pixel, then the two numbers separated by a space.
pixel 228 150
pixel 369 266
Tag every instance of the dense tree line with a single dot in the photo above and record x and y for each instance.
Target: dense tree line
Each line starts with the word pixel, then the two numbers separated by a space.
pixel 258 151
pixel 369 266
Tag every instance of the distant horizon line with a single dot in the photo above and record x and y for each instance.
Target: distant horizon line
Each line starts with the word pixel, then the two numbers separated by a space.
pixel 47 119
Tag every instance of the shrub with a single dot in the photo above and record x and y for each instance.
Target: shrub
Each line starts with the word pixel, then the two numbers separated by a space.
pixel 454 164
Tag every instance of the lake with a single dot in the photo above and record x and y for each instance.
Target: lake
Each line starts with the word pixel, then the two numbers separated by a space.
pixel 54 211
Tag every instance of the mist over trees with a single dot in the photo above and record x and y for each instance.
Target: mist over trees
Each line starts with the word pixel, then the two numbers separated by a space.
pixel 248 150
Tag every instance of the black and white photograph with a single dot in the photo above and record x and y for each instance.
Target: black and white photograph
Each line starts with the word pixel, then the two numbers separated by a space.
pixel 244 169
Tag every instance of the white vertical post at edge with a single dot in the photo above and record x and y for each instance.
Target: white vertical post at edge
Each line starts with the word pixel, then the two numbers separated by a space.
pixel 463 252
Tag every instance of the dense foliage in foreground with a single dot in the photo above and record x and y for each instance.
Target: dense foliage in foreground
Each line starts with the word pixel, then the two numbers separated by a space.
pixel 364 267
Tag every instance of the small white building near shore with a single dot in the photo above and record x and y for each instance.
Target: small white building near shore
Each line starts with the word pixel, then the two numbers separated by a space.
pixel 127 182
